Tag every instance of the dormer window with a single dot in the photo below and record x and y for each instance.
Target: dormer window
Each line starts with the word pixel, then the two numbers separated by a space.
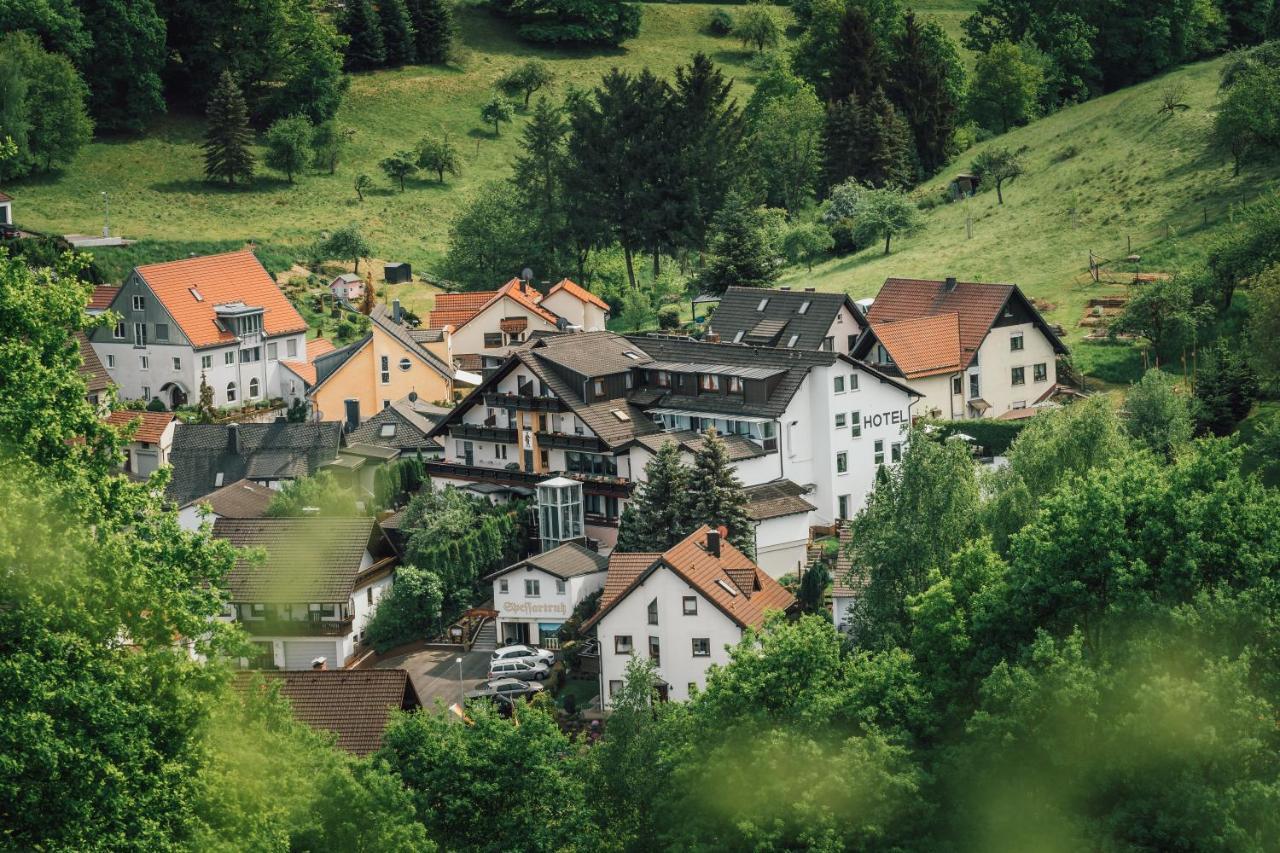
pixel 764 303
pixel 632 354
pixel 735 384
pixel 708 382
pixel 662 378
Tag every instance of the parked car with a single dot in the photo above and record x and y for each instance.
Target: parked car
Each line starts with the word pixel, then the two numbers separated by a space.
pixel 529 654
pixel 507 689
pixel 525 670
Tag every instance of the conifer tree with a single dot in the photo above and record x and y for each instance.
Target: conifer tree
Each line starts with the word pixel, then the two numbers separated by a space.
pixel 398 37
pixel 226 142
pixel 658 515
pixel 360 24
pixel 712 128
pixel 433 27
pixel 927 88
pixel 716 495
pixel 740 252
pixel 859 66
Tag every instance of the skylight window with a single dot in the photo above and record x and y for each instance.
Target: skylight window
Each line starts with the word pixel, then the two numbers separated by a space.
pixel 621 415
pixel 632 354
pixel 764 303
pixel 217 479
pixel 804 307
pixel 727 588
pixel 737 339
pixel 196 294
pixel 792 342
pixel 387 431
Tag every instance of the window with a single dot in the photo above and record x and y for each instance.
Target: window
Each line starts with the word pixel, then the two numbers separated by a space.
pixel 499 451
pixel 206 362
pixel 139 334
pixel 855 426
pixel 843 503
pixel 229 357
pixel 701 647
pixel 879 451
pixel 708 382
pixel 693 688
pixel 622 644
pixel 1040 372
pixel 1015 342
pixel 559 587
pixel 405 364
pixel 957 385
pixel 839 384
pixel 841 420
pixel 973 385
pixel 492 339
pixel 853 382
pixel 177 363
pixel 791 341
pixel 162 331
pixel 737 339
pixel 735 384
pixel 251 355
pixel 614 687
pixel 272 350
pixel 368 595
pixel 118 331
pixel 291 348
pixel 1019 376
pixel 764 303
pixel 653 612
pixel 231 392
pixel 111 361
pixel 384 369
pixel 502 586
pixel 254 388
pixel 655 651
pixel 895 452
pixel 662 378
pixel 139 303
pixel 195 294
pixel 842 462
pixel 828 344
pixel 532 588
pixel 146 395
pixel 144 362
pixel 804 307
pixel 689 604
pixel 598 384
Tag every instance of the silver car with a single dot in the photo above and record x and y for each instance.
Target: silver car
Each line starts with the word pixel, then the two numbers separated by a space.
pixel 525 670
pixel 504 688
pixel 528 654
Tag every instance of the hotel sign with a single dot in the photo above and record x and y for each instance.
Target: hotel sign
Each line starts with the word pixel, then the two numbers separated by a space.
pixel 883 418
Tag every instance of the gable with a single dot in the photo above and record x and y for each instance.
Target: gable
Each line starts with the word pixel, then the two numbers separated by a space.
pixel 154 311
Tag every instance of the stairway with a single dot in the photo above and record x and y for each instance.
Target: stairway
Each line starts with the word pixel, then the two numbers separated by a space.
pixel 486 637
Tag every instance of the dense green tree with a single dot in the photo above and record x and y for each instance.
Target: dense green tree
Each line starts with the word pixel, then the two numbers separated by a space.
pixel 525 79
pixel 226 142
pixel 487 239
pixel 659 515
pixel 328 141
pixel 1264 325
pixel 739 253
pixel 59 24
pixel 439 155
pixel 716 498
pixel 398 36
pixel 125 65
pixel 711 126
pixel 539 180
pixel 998 166
pixel 320 494
pixel 1064 37
pixel 363 28
pixel 785 148
pixel 347 243
pixel 310 79
pixel 399 167
pixel 410 610
pixel 868 142
pixel 568 22
pixel 495 111
pixel 928 86
pixel 1248 247
pixel 1157 416
pixel 858 214
pixel 1165 314
pixel 362 184
pixel 42 106
pixel 806 242
pixel 1006 88
pixel 434 30
pixel 860 66
pixel 289 145
pixel 1226 389
pixel 756 28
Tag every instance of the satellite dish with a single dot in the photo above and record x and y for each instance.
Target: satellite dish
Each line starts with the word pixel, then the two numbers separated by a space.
pixel 413 396
pixel 526 274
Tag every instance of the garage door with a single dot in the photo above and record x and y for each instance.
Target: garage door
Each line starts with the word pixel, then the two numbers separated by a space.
pixel 298 654
pixel 148 461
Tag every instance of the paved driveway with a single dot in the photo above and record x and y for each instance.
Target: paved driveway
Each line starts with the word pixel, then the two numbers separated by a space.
pixel 435 673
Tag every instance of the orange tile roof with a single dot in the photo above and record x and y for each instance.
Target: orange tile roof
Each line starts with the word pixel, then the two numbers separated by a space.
pixel 976 305
pixel 306 371
pixel 1018 414
pixel 732 582
pixel 151 425
pixel 451 309
pixel 317 347
pixel 102 297
pixel 925 346
pixel 229 277
pixel 579 292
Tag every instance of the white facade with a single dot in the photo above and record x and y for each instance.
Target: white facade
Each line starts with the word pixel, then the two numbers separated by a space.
pixel 587 316
pixel 532 603
pixel 626 630
pixel 1015 366
pixel 844 331
pixel 782 543
pixel 483 335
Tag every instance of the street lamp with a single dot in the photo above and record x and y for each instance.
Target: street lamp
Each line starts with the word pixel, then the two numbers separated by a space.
pixel 462 699
pixel 106 215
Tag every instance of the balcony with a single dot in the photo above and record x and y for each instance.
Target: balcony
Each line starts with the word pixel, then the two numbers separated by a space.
pixel 476 432
pixel 592 484
pixel 274 627
pixel 527 402
pixel 564 441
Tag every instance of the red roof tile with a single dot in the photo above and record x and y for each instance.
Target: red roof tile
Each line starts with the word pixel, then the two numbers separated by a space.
pixel 229 277
pixel 580 292
pixel 452 309
pixel 925 346
pixel 102 297
pixel 317 347
pixel 975 305
pixel 151 425
pixel 306 371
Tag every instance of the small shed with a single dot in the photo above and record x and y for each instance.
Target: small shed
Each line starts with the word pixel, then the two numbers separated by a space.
pixel 397 273
pixel 964 185
pixel 348 286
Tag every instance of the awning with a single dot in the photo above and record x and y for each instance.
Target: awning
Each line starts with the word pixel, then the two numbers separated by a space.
pixel 979 405
pixel 466 377
pixel 719 416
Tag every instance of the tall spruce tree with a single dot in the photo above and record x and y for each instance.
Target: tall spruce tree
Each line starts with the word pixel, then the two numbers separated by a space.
pixel 927 87
pixel 716 495
pixel 712 127
pixel 433 28
pixel 867 141
pixel 539 181
pixel 398 37
pixel 860 66
pixel 659 515
pixel 226 142
pixel 740 252
pixel 361 25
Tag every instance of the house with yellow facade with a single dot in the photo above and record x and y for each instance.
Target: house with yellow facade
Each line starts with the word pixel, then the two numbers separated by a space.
pixel 392 362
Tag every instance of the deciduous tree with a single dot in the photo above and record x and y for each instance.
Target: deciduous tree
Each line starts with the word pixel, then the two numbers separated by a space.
pixel 347 243
pixel 399 167
pixel 999 166
pixel 1006 88
pixel 124 65
pixel 756 28
pixel 495 111
pixel 525 79
pixel 440 156
pixel 288 145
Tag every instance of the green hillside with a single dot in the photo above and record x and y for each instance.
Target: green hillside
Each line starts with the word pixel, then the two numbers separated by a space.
pixel 1127 172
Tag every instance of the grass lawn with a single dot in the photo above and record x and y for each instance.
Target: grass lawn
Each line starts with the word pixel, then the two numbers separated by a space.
pixel 583 690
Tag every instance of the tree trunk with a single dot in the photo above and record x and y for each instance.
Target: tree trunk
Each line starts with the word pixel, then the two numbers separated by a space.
pixel 656 269
pixel 888 235
pixel 631 272
pixel 357 263
pixel 999 192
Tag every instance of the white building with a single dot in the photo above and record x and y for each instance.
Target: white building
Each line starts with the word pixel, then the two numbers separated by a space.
pixel 313 596
pixel 151 442
pixel 535 596
pixel 683 609
pixel 219 317
pixel 970 350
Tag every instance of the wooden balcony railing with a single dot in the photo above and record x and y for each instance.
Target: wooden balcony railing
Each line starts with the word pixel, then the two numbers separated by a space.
pixel 297 627
pixel 527 402
pixel 475 432
pixel 564 441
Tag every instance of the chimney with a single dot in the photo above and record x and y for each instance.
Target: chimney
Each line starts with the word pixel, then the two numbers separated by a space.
pixel 352 409
pixel 713 337
pixel 233 439
pixel 320 664
pixel 811 290
pixel 713 543
pixel 396 313
pixel 950 284
pixel 785 289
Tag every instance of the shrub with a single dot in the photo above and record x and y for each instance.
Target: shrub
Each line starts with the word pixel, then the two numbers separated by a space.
pixel 156 405
pixel 669 317
pixel 720 23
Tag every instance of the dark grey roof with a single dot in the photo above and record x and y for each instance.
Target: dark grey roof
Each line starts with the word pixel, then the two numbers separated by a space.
pixel 592 353
pixel 744 371
pixel 566 561
pixel 405 335
pixel 775 500
pixel 408 430
pixel 241 499
pixel 327 364
pixel 796 363
pixel 736 446
pixel 266 452
pixel 781 317
pixel 308 560
pixel 599 416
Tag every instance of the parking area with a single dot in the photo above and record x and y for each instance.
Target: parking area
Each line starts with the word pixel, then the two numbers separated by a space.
pixel 435 673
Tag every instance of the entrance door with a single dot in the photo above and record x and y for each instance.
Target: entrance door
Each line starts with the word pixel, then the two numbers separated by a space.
pixel 177 397
pixel 515 633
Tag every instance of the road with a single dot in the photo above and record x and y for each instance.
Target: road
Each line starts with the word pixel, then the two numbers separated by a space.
pixel 435 673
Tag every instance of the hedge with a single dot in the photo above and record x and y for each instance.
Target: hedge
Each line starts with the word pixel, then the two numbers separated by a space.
pixel 992 434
